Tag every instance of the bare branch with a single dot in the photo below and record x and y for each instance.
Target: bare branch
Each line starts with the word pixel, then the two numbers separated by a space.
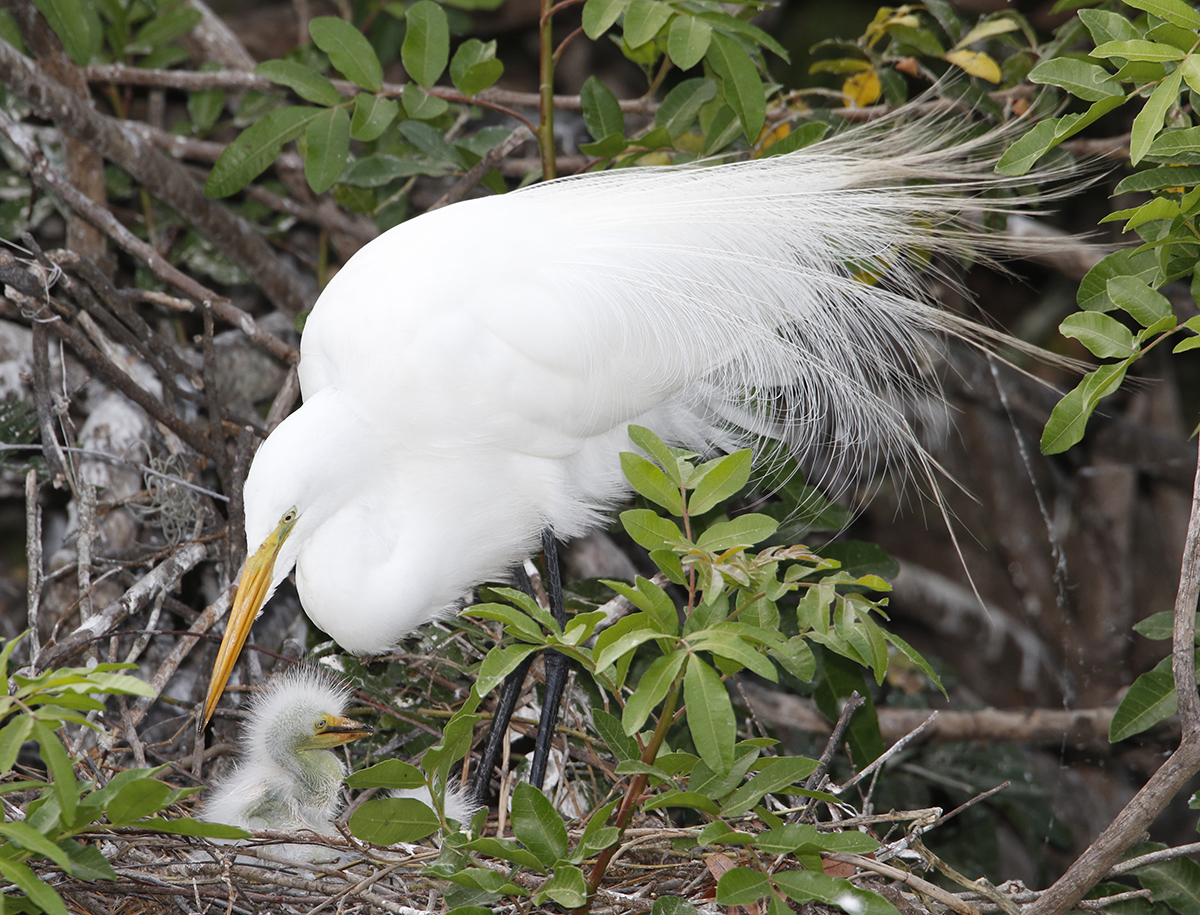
pixel 161 578
pixel 49 179
pixel 155 171
pixel 1129 825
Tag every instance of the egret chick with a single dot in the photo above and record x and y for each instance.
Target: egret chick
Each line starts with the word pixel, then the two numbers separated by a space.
pixel 288 777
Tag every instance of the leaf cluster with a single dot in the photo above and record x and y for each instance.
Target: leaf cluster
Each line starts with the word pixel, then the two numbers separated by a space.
pixel 664 665
pixel 67 806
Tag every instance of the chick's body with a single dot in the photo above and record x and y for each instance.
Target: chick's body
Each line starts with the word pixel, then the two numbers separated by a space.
pixel 288 777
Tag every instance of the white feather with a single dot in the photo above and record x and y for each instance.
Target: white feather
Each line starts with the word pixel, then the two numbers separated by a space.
pixel 469 376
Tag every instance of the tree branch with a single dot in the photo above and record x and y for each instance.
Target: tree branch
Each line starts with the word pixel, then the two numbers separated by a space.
pixel 156 172
pixel 1129 825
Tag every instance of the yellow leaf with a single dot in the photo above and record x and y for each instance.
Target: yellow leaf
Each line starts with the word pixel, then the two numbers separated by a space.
pixel 862 89
pixel 976 63
pixel 769 137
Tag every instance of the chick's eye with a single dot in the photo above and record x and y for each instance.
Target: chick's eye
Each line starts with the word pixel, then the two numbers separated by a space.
pixel 321 723
pixel 289 516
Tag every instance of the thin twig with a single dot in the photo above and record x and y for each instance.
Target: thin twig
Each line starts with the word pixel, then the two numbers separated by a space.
pixel 886 755
pixel 33 562
pixel 831 746
pixel 931 890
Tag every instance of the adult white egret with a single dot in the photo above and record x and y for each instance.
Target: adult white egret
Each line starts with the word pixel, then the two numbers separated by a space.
pixel 469 376
pixel 288 777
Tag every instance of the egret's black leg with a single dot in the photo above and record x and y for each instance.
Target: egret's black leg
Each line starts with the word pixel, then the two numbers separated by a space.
pixel 556 664
pixel 505 705
pixel 556 678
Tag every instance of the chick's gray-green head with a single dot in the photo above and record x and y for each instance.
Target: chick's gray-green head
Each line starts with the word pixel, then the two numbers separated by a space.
pixel 297 721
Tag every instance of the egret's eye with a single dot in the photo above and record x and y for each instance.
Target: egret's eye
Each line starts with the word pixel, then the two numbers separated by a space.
pixel 321 723
pixel 289 516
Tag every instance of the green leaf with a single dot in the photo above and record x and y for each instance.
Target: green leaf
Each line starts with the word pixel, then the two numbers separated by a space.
pixel 204 107
pixel 1174 143
pixel 599 16
pixel 649 530
pixel 372 116
pixel 1068 419
pixel 308 84
pixel 256 148
pixel 1149 121
pixel 376 171
pixel 326 147
pixel 1021 156
pixel 566 886
pixel 806 886
pixel 1147 306
pixel 538 826
pixel 793 837
pixel 506 850
pixel 736 650
pixel 709 715
pixel 744 530
pixel 86 862
pixel 1175 883
pixel 140 798
pixel 1157 179
pixel 779 773
pixel 679 109
pixel 430 141
pixel 420 105
pixel 646 478
pixel 667 458
pixel 652 599
pixel 186 826
pixel 675 905
pixel 1107 26
pixel 608 726
pixel 643 19
pixel 1174 11
pixel 601 111
pixel 1148 701
pixel 742 886
pixel 20 876
pixel 1104 336
pixel 1086 80
pixel 732 25
pixel 1093 289
pixel 474 67
pixel 1138 49
pixel 915 657
pixel 499 663
pixel 349 51
pixel 388 820
pixel 687 41
pixel 391 773
pixel 77 26
pixel 426 48
pixel 689 800
pixel 741 86
pixel 612 651
pixel 166 27
pixel 25 836
pixel 12 735
pixel 62 773
pixel 652 688
pixel 723 477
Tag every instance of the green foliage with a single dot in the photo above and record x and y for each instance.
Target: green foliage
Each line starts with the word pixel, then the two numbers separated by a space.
pixel 66 806
pixel 741 599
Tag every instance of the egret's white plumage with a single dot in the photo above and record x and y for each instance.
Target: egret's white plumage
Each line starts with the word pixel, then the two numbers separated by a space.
pixel 288 777
pixel 469 376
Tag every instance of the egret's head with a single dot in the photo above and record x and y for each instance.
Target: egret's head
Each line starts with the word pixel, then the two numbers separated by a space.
pixel 299 716
pixel 298 479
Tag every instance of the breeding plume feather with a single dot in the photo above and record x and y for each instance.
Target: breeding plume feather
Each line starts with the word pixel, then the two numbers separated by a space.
pixel 288 778
pixel 469 376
